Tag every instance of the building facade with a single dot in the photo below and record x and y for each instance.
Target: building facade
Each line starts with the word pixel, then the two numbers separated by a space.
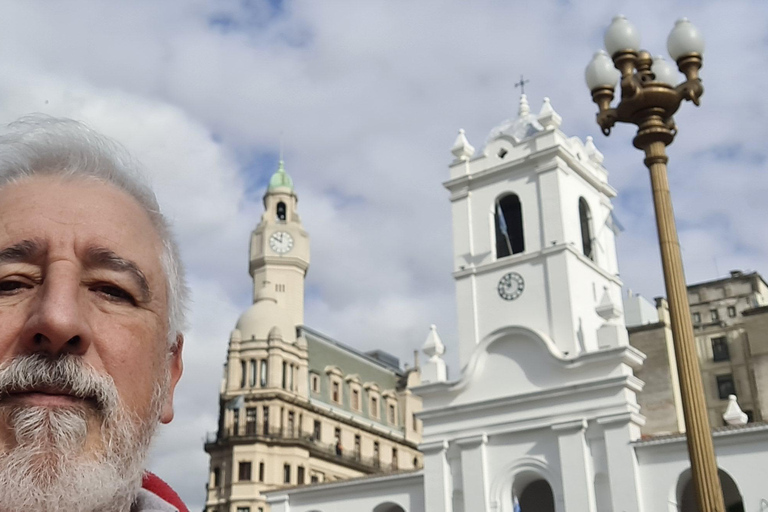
pixel 544 416
pixel 297 407
pixel 730 333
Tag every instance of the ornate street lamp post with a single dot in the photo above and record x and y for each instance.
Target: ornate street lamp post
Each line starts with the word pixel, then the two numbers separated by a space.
pixel 650 96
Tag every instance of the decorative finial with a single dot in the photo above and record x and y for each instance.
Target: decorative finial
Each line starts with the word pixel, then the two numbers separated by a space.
pixel 462 149
pixel 434 370
pixel 433 346
pixel 592 151
pixel 524 109
pixel 733 413
pixel 548 117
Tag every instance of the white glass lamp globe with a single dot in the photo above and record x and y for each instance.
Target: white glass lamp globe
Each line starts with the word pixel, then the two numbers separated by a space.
pixel 664 71
pixel 600 72
pixel 684 39
pixel 621 35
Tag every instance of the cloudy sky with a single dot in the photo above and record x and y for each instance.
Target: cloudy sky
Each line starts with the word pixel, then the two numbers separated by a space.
pixel 367 97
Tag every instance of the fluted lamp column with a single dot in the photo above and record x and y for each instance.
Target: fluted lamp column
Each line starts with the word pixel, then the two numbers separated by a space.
pixel 650 96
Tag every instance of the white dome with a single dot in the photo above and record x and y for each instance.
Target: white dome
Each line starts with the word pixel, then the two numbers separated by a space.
pixel 258 320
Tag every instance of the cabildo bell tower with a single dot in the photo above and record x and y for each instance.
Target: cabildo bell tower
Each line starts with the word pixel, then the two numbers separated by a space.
pixel 534 237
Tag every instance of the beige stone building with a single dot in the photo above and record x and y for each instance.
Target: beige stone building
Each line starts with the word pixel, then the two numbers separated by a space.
pixel 298 407
pixel 730 322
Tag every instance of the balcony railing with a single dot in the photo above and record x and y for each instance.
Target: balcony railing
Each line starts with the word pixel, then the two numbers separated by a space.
pixel 252 432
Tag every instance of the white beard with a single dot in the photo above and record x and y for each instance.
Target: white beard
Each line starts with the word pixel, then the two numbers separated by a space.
pixel 49 468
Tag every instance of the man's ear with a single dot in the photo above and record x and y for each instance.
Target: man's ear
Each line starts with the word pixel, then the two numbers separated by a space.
pixel 175 370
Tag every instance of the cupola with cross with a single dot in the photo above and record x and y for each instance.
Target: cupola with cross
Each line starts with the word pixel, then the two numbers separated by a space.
pixel 534 235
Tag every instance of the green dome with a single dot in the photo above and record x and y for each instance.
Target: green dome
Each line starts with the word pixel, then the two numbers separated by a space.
pixel 280 179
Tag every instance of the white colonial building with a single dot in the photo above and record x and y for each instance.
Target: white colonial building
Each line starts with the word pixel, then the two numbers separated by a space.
pixel 544 415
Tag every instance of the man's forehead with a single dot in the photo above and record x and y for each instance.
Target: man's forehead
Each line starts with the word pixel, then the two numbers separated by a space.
pixel 94 218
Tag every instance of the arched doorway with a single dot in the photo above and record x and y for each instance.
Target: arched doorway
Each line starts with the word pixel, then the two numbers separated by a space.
pixel 388 507
pixel 686 499
pixel 536 496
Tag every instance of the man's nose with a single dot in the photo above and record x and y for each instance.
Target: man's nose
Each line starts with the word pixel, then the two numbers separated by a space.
pixel 58 321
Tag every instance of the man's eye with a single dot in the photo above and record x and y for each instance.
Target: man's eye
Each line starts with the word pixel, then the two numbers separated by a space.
pixel 11 286
pixel 114 293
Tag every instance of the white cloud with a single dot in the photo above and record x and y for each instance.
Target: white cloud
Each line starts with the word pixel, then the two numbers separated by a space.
pixel 368 96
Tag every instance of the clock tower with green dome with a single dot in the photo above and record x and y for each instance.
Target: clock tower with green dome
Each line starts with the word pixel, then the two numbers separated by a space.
pixel 279 260
pixel 296 406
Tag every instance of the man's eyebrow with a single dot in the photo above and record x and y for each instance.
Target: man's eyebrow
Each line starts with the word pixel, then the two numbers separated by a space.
pixel 101 257
pixel 25 251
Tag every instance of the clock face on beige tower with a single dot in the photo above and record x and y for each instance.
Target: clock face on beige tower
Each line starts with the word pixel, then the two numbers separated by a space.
pixel 281 242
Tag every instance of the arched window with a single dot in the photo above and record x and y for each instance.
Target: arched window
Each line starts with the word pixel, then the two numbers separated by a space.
pixel 252 372
pixel 281 211
pixel 587 238
pixel 263 373
pixel 535 496
pixel 509 226
pixel 686 497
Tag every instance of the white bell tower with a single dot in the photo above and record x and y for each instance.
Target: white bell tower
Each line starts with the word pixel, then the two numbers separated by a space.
pixel 533 237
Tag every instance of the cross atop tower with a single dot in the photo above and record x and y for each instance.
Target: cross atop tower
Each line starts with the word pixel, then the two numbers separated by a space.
pixel 521 84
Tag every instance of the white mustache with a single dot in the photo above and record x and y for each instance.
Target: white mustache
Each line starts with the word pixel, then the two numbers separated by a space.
pixel 66 374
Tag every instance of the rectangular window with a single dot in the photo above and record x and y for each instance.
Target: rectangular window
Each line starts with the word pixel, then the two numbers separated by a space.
pixel 415 423
pixel 713 315
pixel 315 383
pixel 376 454
pixel 285 375
pixel 725 386
pixel 243 509
pixel 236 422
pixel 720 349
pixel 263 373
pixel 261 471
pixel 250 421
pixel 314 479
pixel 290 378
pixel 252 373
pixel 300 475
pixel 357 446
pixel 696 318
pixel 355 399
pixel 216 477
pixel 392 415
pixel 394 458
pixel 731 311
pixel 244 472
pixel 374 407
pixel 265 414
pixel 316 430
pixel 242 374
pixel 291 421
pixel 287 473
pixel 335 395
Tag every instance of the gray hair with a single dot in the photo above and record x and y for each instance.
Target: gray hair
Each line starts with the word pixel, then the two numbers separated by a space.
pixel 41 145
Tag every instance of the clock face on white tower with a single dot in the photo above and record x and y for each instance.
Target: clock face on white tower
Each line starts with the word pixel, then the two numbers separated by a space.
pixel 281 242
pixel 511 286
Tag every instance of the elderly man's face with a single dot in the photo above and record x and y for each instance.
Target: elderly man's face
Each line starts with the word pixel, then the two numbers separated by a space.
pixel 80 275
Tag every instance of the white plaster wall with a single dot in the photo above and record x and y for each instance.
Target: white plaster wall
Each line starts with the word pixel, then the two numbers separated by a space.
pixel 363 495
pixel 743 455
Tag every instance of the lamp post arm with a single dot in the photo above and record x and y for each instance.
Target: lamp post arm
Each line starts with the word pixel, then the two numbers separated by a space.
pixel 691 90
